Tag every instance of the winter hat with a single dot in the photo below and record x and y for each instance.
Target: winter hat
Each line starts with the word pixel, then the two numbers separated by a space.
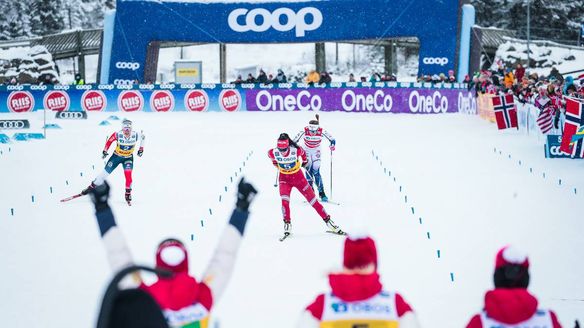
pixel 283 143
pixel 510 255
pixel 511 268
pixel 360 251
pixel 172 256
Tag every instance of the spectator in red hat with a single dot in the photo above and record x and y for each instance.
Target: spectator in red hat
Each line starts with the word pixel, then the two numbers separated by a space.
pixel 183 300
pixel 357 298
pixel 510 304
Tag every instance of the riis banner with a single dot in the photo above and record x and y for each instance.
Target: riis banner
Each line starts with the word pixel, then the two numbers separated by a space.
pixel 360 98
pixel 107 98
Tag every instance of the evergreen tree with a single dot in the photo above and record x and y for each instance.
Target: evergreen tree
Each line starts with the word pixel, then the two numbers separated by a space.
pixel 47 17
pixel 18 21
pixel 4 35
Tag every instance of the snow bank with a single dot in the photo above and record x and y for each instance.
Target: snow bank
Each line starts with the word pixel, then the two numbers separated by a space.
pixel 543 56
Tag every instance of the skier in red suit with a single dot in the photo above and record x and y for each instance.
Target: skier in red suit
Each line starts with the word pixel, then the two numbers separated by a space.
pixel 288 158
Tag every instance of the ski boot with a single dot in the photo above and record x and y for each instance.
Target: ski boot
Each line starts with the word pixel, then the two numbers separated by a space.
pixel 88 189
pixel 333 228
pixel 287 230
pixel 323 196
pixel 287 227
pixel 129 196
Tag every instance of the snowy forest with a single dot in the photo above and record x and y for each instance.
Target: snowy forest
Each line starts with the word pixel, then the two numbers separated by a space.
pixel 557 20
pixel 29 18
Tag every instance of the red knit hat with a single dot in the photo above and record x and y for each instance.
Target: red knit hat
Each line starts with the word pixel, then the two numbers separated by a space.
pixel 172 255
pixel 511 255
pixel 359 252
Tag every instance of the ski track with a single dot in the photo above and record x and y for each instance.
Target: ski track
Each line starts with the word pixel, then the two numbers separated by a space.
pixel 460 174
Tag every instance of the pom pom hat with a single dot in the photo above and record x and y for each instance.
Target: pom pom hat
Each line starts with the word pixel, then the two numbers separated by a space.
pixel 360 251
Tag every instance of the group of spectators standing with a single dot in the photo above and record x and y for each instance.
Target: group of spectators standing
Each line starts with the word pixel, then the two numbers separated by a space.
pixel 263 78
pixel 546 92
pixel 440 78
pixel 356 297
pixel 312 77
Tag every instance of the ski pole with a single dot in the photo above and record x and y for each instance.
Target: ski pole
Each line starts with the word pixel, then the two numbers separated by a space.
pixel 277 177
pixel 331 173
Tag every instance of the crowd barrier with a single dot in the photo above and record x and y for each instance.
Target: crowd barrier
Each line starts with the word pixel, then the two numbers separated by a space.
pixel 379 97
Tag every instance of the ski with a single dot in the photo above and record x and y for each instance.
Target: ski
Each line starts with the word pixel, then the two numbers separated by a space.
pixel 71 198
pixel 286 235
pixel 326 202
pixel 340 232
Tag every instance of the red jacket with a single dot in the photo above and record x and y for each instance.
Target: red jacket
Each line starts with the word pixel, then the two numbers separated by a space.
pixel 355 287
pixel 179 292
pixel 509 306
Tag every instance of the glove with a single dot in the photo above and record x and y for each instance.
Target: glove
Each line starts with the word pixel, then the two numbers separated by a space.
pixel 245 194
pixel 99 196
pixel 104 154
pixel 332 147
pixel 140 152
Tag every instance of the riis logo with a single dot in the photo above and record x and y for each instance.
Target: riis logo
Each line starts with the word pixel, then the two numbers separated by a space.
pixel 57 100
pixel 20 101
pixel 292 20
pixel 93 100
pixel 161 101
pixel 128 65
pixel 230 100
pixel 130 101
pixel 196 100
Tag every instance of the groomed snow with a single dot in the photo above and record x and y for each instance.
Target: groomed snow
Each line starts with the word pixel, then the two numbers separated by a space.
pixel 471 198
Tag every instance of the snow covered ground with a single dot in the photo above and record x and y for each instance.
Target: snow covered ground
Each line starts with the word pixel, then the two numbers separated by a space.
pixel 471 200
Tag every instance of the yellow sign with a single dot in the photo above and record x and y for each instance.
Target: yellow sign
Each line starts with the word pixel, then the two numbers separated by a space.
pixel 187 72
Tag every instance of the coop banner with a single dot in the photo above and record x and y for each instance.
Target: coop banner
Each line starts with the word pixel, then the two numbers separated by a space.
pixel 107 98
pixel 362 100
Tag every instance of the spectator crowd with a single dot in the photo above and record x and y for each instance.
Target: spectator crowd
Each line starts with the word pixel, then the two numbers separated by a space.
pixel 546 92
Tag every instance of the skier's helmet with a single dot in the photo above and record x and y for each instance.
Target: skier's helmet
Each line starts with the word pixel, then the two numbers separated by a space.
pixel 126 126
pixel 313 125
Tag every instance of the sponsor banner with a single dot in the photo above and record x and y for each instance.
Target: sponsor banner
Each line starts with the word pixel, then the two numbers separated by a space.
pixel 71 115
pixel 378 98
pixel 367 100
pixel 14 124
pixel 434 23
pixel 552 147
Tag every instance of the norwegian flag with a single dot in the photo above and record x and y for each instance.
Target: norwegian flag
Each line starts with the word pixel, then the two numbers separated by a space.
pixel 574 120
pixel 545 117
pixel 505 112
